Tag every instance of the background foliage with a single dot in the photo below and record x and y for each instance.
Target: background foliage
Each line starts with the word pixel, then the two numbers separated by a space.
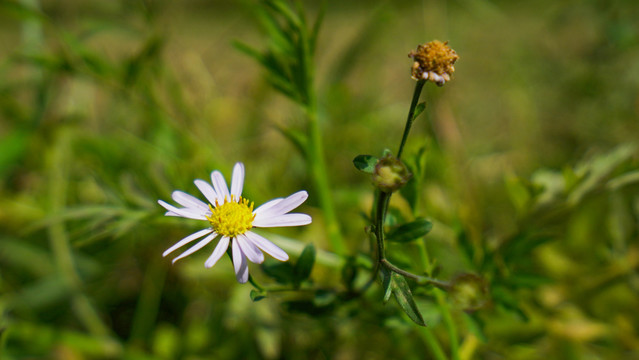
pixel 529 176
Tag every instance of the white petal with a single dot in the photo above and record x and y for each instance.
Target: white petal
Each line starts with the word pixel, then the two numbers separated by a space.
pixel 249 249
pixel 293 219
pixel 267 246
pixel 196 247
pixel 183 212
pixel 283 206
pixel 187 240
pixel 207 190
pixel 237 181
pixel 220 249
pixel 239 263
pixel 267 205
pixel 189 201
pixel 219 184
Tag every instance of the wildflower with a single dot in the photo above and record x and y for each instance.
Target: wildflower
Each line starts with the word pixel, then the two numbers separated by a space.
pixel 433 62
pixel 231 218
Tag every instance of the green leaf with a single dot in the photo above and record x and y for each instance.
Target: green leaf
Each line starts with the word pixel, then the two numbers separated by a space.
pixel 365 163
pixel 419 109
pixel 386 284
pixel 257 295
pixel 282 272
pixel 304 264
pixel 404 298
pixel 623 180
pixel 410 231
pixel 286 12
pixel 298 138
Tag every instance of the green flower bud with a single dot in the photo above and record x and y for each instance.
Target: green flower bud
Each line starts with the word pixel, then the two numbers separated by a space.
pixel 390 174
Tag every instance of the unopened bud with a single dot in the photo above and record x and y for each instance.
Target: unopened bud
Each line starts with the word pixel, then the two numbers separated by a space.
pixel 390 174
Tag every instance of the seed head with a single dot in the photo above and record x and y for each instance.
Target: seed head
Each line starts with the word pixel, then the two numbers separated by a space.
pixel 433 62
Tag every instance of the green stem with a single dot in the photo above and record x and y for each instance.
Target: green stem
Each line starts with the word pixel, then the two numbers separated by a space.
pixel 433 344
pixel 383 199
pixel 319 175
pixel 449 323
pixel 315 151
pixel 421 280
pixel 255 284
pixel 59 240
pixel 447 317
pixel 411 115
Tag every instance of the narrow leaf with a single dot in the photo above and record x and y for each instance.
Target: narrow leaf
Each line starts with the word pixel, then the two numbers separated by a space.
pixel 404 298
pixel 386 284
pixel 304 264
pixel 257 295
pixel 298 138
pixel 365 163
pixel 282 272
pixel 419 109
pixel 410 231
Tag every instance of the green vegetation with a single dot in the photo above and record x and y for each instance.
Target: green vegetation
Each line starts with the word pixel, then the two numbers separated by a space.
pixel 515 238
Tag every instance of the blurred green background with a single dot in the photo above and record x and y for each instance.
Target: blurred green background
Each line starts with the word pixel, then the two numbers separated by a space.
pixel 531 176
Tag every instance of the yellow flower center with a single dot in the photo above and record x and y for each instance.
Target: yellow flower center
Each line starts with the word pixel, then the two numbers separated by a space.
pixel 232 218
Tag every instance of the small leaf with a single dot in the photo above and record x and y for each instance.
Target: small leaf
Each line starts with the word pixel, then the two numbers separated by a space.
pixel 257 295
pixel 405 299
pixel 298 138
pixel 365 163
pixel 410 231
pixel 282 272
pixel 419 109
pixel 304 264
pixel 386 284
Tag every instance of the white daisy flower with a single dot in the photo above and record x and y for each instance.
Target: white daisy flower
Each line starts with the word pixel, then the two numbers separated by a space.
pixel 231 217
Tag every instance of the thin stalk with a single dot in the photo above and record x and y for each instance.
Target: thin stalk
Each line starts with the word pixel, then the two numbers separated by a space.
pixel 433 344
pixel 411 115
pixel 421 280
pixel 447 317
pixel 255 284
pixel 146 310
pixel 449 323
pixel 315 149
pixel 59 240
